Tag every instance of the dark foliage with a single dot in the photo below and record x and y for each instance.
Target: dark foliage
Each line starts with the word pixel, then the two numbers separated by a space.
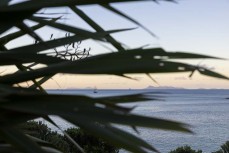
pixel 185 149
pixel 224 148
pixel 88 142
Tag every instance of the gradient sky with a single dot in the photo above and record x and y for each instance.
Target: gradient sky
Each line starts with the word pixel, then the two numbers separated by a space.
pixel 199 26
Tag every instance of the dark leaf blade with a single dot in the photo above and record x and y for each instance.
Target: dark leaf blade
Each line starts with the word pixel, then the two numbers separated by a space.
pixel 98 28
pixel 7 148
pixel 130 137
pixel 48 147
pixel 35 48
pixel 19 140
pixel 37 140
pixel 15 18
pixel 80 32
pixel 84 108
pixel 112 9
pixel 138 61
pixel 160 53
pixel 107 135
pixel 9 58
pixel 28 5
pixel 66 134
pixel 207 72
pixel 41 81
pixel 51 150
pixel 27 30
pixel 12 36
pixel 182 55
pixel 12 118
pixel 4 3
pixel 10 90
pixel 136 120
pixel 127 98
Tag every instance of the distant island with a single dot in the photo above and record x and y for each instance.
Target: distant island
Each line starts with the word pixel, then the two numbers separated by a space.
pixel 146 88
pixel 162 87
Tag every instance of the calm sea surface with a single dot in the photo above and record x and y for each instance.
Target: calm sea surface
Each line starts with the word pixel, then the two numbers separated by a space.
pixel 207 111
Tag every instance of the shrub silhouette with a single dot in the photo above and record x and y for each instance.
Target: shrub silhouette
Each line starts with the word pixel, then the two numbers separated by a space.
pixel 88 142
pixel 185 149
pixel 224 148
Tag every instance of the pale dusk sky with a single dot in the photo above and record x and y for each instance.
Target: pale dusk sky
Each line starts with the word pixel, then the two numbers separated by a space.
pixel 199 26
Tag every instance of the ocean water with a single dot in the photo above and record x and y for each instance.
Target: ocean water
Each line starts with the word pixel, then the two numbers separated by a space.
pixel 206 111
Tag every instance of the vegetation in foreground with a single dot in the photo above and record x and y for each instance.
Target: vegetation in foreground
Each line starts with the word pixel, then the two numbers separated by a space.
pixel 22 97
pixel 88 142
pixel 185 149
pixel 224 148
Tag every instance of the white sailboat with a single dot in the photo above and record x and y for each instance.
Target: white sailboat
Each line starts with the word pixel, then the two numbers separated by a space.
pixel 95 90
